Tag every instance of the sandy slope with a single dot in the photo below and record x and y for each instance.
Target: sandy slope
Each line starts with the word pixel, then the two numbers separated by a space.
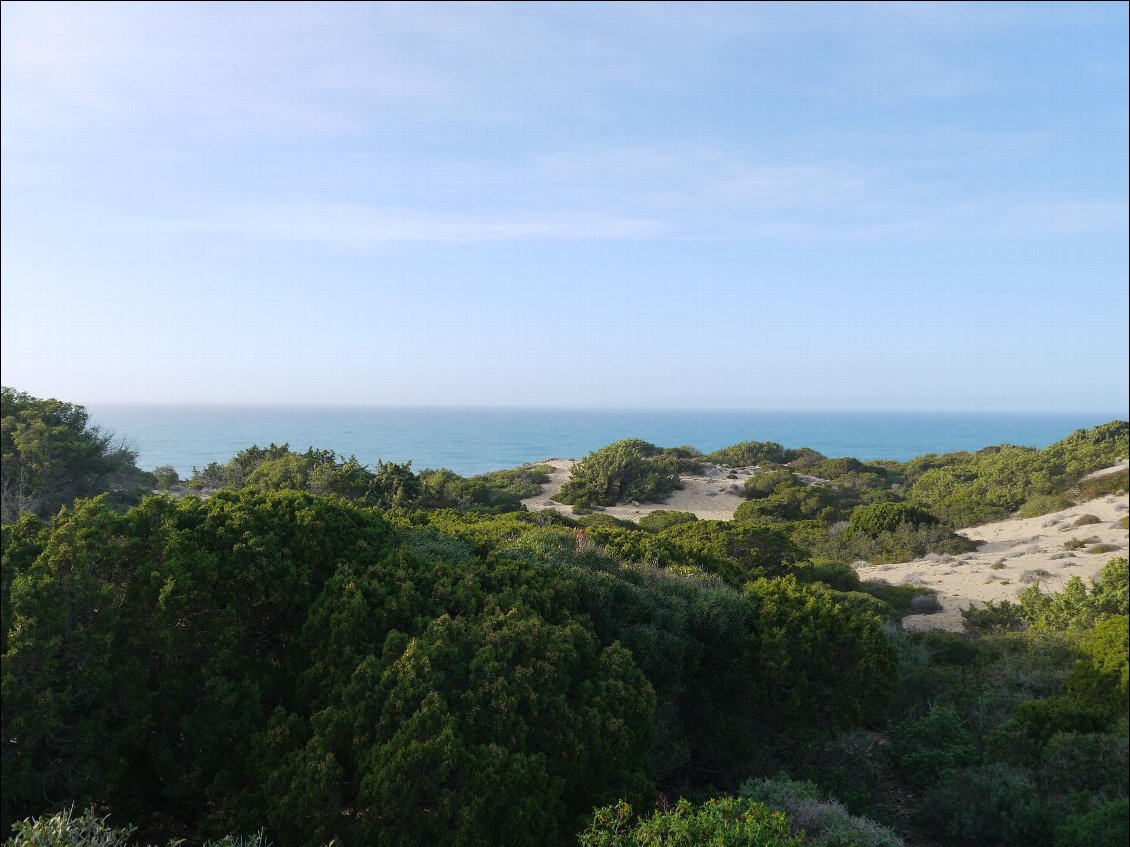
pixel 1014 552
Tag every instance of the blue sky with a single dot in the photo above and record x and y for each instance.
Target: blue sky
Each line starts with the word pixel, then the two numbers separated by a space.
pixel 893 206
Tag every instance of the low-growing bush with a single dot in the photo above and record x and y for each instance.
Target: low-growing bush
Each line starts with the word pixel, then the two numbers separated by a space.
pixel 1086 520
pixel 925 604
pixel 1074 765
pixel 886 517
pixel 1042 504
pixel 833 574
pixel 1041 719
pixel 904 543
pixel 729 821
pixel 663 518
pixel 1103 548
pixel 898 597
pixel 1004 616
pixel 1100 486
pixel 848 767
pixel 626 470
pixel 822 821
pixel 986 804
pixel 924 749
pixel 65 829
pixel 1104 826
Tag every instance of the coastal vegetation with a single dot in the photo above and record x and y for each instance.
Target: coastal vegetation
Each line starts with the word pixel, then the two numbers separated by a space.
pixel 298 649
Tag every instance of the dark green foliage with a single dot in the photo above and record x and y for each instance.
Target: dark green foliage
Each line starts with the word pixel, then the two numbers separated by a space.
pixel 925 749
pixel 887 517
pixel 794 503
pixel 1105 826
pixel 626 470
pixel 898 597
pixel 848 767
pixel 1039 720
pixel 284 659
pixel 1081 768
pixel 390 485
pixel 751 453
pixel 51 456
pixel 987 804
pixel 725 822
pixel 903 544
pixel 833 574
pixel 1100 486
pixel 663 518
pixel 763 484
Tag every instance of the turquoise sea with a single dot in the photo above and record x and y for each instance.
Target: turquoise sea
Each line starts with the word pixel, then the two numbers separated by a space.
pixel 470 441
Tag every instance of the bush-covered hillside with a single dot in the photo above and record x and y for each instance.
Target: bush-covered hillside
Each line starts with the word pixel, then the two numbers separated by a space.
pixel 322 652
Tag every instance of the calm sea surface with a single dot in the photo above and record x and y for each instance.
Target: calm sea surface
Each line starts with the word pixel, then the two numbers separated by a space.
pixel 470 441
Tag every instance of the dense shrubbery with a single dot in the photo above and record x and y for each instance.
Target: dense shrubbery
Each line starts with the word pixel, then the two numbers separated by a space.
pixel 453 669
pixel 51 455
pixel 296 662
pixel 627 470
pixel 390 485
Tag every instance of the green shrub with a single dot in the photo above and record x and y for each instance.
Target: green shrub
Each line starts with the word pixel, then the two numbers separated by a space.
pixel 833 574
pixel 1101 486
pixel 848 767
pixel 50 456
pixel 1042 504
pixel 1076 608
pixel 1074 544
pixel 898 597
pixel 821 821
pixel 726 822
pixel 166 476
pixel 903 544
pixel 1105 826
pixel 1103 548
pixel 663 518
pixel 626 470
pixel 1101 677
pixel 923 750
pixel 1041 719
pixel 750 453
pixel 763 484
pixel 1004 616
pixel 886 517
pixel 1124 522
pixel 65 829
pixel 987 804
pixel 1083 765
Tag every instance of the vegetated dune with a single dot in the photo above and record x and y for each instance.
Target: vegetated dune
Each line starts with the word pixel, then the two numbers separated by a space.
pixel 712 495
pixel 1014 552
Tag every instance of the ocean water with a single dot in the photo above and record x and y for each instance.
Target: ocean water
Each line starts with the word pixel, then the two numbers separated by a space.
pixel 470 441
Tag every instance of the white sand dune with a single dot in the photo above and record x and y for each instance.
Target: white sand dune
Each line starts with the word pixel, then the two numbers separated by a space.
pixel 1014 552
